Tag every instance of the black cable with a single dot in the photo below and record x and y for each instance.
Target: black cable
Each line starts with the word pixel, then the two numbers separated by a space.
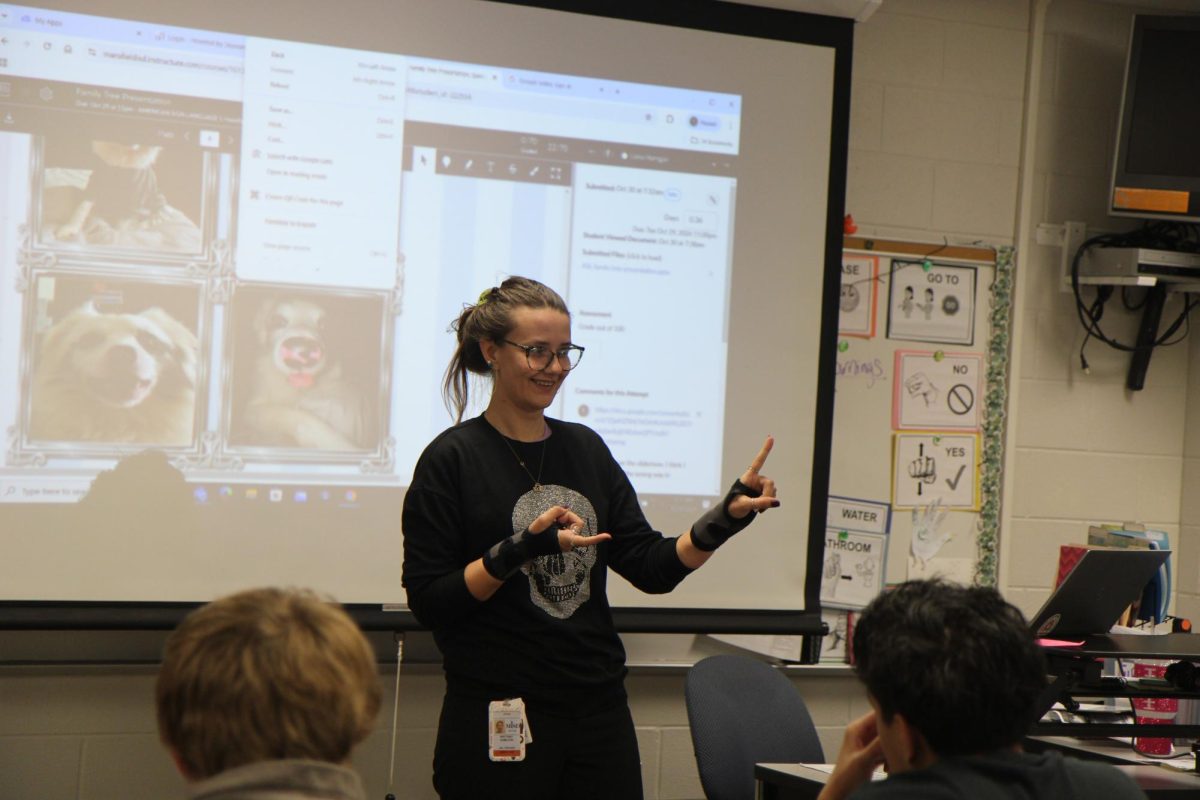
pixel 1095 312
pixel 1129 305
pixel 1159 235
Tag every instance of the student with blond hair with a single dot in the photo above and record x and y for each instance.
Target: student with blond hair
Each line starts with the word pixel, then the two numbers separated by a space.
pixel 264 694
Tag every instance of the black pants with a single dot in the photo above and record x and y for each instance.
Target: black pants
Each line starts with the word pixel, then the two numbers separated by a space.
pixel 589 758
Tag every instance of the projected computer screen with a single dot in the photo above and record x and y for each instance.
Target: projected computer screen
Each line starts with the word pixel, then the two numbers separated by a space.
pixel 237 236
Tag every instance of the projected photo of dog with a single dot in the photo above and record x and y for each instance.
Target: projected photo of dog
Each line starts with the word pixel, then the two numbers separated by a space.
pixel 121 194
pixel 117 376
pixel 306 370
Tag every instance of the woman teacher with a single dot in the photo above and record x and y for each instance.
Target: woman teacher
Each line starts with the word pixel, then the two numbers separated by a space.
pixel 510 525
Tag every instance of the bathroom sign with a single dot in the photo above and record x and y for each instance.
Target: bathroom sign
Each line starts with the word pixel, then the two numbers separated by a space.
pixel 855 551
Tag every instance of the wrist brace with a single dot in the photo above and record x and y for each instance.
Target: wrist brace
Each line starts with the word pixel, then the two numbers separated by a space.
pixel 715 526
pixel 507 556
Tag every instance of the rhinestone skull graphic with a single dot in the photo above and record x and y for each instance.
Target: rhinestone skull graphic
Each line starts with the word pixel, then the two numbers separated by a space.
pixel 558 584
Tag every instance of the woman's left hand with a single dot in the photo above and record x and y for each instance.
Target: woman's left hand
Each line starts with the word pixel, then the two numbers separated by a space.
pixel 754 480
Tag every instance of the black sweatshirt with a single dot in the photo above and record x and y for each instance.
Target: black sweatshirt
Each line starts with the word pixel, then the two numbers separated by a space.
pixel 547 635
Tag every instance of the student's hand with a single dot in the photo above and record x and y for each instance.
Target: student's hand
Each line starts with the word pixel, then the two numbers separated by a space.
pixel 568 526
pixel 861 754
pixel 759 484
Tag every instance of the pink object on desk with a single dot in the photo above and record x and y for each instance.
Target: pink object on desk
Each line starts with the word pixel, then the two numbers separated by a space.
pixel 1058 643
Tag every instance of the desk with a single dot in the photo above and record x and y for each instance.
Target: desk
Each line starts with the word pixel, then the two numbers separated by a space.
pixel 788 781
pixel 799 782
pixel 1108 751
pixel 1174 646
pixel 1076 671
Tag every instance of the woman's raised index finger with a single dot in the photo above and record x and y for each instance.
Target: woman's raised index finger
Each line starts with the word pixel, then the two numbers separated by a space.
pixel 761 458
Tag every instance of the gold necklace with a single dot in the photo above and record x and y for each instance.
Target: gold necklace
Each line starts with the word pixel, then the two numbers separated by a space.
pixel 537 482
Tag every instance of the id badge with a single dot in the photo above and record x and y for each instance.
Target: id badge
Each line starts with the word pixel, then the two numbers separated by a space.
pixel 508 730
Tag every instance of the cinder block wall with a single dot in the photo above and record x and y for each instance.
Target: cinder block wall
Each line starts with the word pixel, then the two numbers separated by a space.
pixel 936 146
pixel 1087 449
pixel 88 733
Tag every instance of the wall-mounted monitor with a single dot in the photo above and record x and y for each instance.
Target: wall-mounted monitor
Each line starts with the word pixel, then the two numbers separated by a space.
pixel 1156 171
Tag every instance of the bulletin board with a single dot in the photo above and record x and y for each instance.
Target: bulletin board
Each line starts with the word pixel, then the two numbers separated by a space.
pixel 921 384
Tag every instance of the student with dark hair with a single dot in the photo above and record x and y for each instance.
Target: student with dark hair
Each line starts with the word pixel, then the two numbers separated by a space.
pixel 953 675
pixel 510 525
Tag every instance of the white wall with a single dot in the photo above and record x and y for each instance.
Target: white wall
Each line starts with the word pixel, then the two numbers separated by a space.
pixel 1087 450
pixel 938 97
pixel 936 149
pixel 89 732
pixel 935 137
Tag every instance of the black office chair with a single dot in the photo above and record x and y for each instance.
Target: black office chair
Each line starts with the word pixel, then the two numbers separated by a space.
pixel 743 711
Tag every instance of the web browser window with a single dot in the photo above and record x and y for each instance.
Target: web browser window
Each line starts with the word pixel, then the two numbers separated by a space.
pixel 621 195
pixel 233 190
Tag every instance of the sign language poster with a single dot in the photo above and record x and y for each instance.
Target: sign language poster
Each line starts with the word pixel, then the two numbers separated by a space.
pixel 931 466
pixel 937 391
pixel 931 305
pixel 860 281
pixel 856 538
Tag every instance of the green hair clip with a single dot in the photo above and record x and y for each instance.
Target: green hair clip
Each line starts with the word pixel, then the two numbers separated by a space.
pixel 483 296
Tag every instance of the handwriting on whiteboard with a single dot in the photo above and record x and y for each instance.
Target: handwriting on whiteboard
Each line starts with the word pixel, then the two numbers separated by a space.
pixel 871 371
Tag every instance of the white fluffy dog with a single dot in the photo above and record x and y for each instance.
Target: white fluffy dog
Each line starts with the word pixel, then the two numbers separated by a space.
pixel 115 378
pixel 300 395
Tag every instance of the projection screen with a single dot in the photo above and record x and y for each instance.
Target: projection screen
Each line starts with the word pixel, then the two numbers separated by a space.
pixel 233 235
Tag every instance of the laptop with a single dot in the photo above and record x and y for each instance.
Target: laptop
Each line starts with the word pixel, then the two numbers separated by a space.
pixel 1092 596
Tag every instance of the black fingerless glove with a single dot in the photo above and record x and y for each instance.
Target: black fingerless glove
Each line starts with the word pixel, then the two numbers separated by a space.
pixel 507 556
pixel 716 527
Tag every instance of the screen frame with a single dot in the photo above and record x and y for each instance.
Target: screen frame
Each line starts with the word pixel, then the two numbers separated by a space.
pixel 1155 190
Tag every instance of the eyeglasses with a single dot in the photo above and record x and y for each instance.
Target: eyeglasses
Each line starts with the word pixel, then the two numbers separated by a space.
pixel 539 357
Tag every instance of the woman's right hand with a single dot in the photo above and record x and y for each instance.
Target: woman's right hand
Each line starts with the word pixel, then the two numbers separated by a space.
pixel 568 525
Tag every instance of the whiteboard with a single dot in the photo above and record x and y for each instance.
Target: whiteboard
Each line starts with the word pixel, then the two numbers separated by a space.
pixel 909 411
